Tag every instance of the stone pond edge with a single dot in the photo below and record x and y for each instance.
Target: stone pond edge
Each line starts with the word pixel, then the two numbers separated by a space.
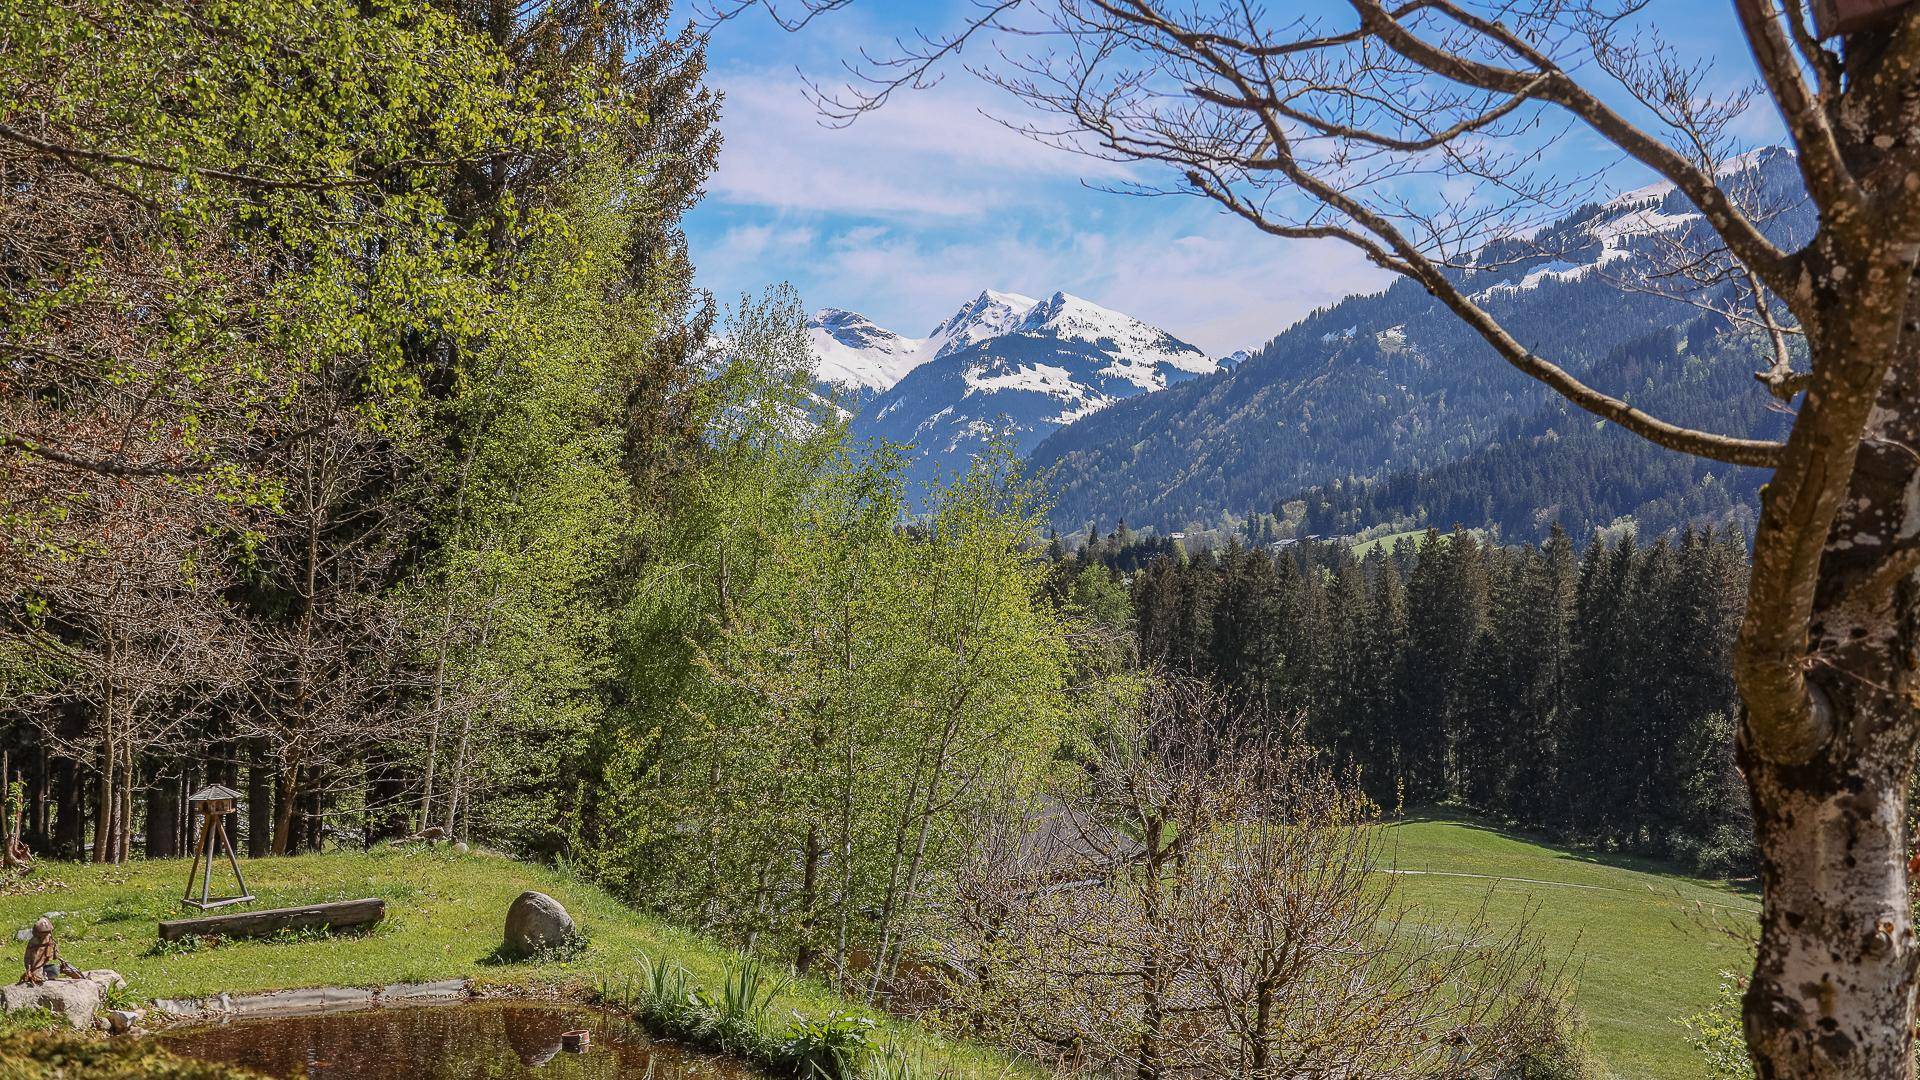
pixel 311 1000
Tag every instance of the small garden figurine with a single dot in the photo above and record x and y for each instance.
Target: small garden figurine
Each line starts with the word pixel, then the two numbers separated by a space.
pixel 43 957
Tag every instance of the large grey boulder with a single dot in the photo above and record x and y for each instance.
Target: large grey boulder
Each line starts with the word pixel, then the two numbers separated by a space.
pixel 74 998
pixel 537 921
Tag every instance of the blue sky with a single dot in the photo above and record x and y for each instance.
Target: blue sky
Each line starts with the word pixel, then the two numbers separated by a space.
pixel 913 210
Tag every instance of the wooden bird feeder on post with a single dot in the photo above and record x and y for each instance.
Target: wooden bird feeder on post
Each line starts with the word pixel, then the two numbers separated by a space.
pixel 213 803
pixel 1835 17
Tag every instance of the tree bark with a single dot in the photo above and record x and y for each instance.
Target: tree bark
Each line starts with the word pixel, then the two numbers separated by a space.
pixel 457 775
pixel 286 794
pixel 313 815
pixel 37 799
pixel 260 782
pixel 69 822
pixel 124 850
pixel 163 817
pixel 809 901
pixel 103 803
pixel 1834 984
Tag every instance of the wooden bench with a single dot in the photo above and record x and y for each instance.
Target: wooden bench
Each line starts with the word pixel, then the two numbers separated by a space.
pixel 339 915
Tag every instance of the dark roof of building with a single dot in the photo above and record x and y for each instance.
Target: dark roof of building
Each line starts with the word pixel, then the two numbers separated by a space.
pixel 213 793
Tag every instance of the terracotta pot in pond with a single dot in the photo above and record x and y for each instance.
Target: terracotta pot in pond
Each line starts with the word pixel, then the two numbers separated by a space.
pixel 575 1041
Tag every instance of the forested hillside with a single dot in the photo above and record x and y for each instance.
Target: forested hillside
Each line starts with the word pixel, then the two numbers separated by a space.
pixel 1584 694
pixel 1559 466
pixel 1392 389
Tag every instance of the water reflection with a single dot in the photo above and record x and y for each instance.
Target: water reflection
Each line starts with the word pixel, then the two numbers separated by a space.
pixel 483 1041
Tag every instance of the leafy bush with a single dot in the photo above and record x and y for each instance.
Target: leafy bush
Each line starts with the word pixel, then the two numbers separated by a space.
pixel 1717 1036
pixel 830 1048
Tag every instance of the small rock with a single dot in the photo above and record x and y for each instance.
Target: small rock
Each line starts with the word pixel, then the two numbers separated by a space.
pixel 462 847
pixel 121 1021
pixel 537 921
pixel 76 999
pixel 26 933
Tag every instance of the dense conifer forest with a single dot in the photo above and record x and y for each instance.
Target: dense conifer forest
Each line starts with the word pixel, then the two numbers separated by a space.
pixel 1584 694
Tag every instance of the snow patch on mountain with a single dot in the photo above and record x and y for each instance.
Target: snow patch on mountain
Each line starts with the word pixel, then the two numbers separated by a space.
pixel 985 316
pixel 1007 365
pixel 853 353
pixel 1633 220
pixel 1139 351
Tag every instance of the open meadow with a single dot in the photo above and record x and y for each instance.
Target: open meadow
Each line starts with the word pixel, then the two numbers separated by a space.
pixel 1648 946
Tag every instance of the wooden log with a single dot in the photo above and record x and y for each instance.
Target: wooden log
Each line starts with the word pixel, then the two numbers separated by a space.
pixel 339 915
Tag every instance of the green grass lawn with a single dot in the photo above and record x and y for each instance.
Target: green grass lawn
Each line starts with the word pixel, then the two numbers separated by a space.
pixel 1385 543
pixel 445 915
pixel 1648 945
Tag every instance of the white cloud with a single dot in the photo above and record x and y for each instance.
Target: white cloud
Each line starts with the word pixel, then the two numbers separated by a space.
pixel 1203 278
pixel 757 241
pixel 916 208
pixel 928 153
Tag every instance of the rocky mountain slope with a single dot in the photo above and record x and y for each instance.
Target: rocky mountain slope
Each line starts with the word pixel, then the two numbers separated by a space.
pixel 1004 366
pixel 1065 359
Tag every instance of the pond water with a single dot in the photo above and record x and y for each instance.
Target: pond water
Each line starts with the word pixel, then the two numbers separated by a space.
pixel 491 1040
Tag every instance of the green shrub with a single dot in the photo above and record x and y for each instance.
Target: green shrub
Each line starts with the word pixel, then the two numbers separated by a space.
pixel 739 1015
pixel 830 1048
pixel 1717 1035
pixel 735 1019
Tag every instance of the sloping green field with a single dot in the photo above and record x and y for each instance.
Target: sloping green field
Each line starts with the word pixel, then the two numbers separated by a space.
pixel 1648 946
pixel 446 913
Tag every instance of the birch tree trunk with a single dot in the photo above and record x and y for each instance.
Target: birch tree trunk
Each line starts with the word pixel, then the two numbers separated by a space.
pixel 1833 989
pixel 457 775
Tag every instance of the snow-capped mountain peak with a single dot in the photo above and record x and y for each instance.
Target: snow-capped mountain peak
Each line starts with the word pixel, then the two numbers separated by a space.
pixel 1138 350
pixel 854 353
pixel 985 316
pixel 1007 365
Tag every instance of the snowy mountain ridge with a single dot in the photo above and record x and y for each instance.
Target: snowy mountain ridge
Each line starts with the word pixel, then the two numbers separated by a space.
pixel 1386 406
pixel 1003 367
pixel 858 359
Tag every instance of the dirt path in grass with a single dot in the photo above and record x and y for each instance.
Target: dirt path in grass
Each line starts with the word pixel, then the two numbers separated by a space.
pixel 1563 885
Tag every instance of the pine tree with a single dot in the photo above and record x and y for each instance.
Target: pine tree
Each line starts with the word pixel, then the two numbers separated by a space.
pixel 1598 770
pixel 1247 628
